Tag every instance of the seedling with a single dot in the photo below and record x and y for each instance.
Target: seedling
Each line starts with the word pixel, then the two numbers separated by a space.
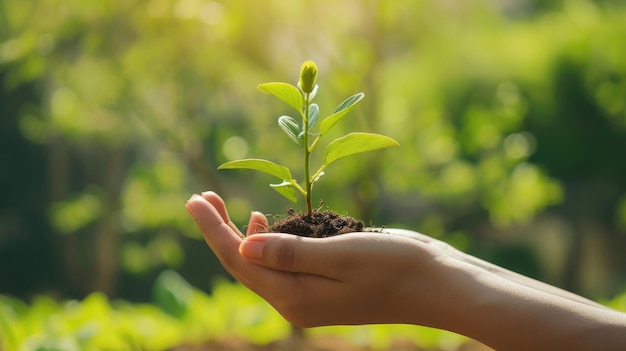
pixel 301 133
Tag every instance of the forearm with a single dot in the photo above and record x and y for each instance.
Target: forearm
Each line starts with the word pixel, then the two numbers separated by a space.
pixel 492 268
pixel 527 281
pixel 510 316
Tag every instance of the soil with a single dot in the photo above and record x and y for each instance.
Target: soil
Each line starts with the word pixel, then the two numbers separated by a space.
pixel 319 224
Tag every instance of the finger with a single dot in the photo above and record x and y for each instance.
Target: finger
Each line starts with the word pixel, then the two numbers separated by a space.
pixel 257 224
pixel 220 206
pixel 210 215
pixel 221 237
pixel 327 257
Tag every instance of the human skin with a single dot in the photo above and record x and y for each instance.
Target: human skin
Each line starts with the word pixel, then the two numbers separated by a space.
pixel 402 277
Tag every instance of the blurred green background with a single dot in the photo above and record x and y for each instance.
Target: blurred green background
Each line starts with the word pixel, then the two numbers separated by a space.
pixel 511 115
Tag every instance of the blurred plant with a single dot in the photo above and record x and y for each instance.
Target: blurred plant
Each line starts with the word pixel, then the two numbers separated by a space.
pixel 301 98
pixel 521 119
pixel 97 323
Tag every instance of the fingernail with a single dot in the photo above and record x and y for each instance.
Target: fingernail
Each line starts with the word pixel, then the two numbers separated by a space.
pixel 257 213
pixel 251 249
pixel 194 196
pixel 189 207
pixel 205 193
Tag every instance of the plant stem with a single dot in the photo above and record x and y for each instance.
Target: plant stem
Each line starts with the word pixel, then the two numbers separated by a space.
pixel 307 154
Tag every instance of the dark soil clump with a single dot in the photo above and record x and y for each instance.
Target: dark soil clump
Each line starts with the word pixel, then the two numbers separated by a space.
pixel 320 224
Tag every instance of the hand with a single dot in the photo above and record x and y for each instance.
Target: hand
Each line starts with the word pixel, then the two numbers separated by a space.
pixel 400 276
pixel 355 278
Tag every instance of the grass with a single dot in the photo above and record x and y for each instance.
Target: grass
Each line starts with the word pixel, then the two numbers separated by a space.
pixel 183 315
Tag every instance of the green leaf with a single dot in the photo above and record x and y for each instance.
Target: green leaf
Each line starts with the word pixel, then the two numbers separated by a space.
pixel 290 126
pixel 286 190
pixel 314 112
pixel 349 102
pixel 355 143
pixel 341 110
pixel 284 91
pixel 317 177
pixel 264 166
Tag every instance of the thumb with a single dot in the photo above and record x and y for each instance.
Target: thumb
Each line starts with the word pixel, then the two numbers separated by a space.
pixel 258 223
pixel 287 252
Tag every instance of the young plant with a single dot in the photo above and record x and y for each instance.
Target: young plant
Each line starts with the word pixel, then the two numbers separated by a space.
pixel 300 98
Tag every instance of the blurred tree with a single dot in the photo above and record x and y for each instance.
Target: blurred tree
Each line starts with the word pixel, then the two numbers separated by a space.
pixel 24 231
pixel 509 114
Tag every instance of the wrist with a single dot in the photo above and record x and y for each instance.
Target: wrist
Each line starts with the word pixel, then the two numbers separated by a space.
pixel 444 292
pixel 506 315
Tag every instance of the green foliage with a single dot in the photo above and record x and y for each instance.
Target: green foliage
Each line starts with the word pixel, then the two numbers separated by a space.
pixel 511 116
pixel 70 216
pixel 171 293
pixel 91 324
pixel 301 99
pixel 265 166
pixel 340 112
pixel 285 92
pixel 354 143
pixel 181 315
pixel 96 323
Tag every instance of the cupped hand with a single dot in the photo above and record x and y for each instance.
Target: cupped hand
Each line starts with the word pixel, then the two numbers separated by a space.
pixel 355 278
pixel 402 276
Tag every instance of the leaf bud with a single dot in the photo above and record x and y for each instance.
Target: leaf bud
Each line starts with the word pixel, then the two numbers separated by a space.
pixel 308 76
